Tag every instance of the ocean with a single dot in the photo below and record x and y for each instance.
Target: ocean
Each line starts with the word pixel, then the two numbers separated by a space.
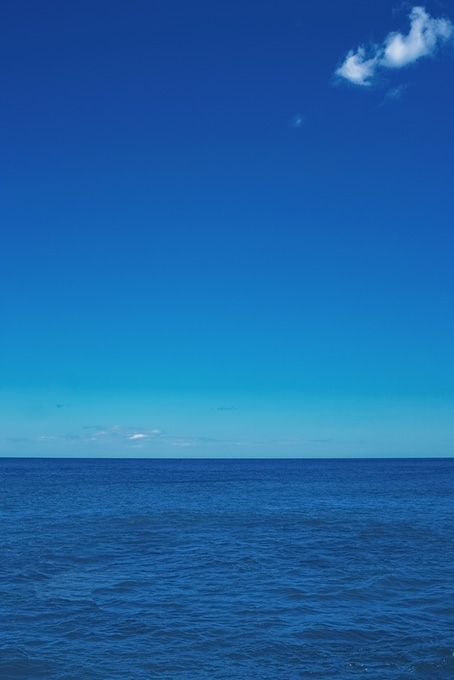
pixel 222 569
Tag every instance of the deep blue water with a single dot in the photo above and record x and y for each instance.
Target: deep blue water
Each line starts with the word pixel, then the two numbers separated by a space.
pixel 204 569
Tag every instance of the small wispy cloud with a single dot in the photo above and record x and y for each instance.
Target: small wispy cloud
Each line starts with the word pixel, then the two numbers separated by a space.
pixel 297 121
pixel 424 38
pixel 118 433
pixel 396 92
pixel 153 440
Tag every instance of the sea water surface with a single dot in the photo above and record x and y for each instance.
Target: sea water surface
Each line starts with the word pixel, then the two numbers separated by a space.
pixel 207 569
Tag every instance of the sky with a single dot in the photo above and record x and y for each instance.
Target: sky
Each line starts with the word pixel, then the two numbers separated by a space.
pixel 227 228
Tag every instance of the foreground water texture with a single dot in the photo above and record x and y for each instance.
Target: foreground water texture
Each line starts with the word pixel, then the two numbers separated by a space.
pixel 138 569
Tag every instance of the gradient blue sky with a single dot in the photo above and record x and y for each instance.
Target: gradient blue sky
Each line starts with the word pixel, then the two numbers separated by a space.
pixel 215 241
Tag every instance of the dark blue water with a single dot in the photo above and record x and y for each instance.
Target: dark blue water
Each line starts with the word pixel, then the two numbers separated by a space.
pixel 198 569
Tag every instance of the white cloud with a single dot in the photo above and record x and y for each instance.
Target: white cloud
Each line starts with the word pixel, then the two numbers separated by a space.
pixel 397 50
pixel 422 40
pixel 356 68
pixel 138 436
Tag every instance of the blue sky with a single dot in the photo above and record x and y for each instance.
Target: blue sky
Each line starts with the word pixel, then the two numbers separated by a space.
pixel 227 228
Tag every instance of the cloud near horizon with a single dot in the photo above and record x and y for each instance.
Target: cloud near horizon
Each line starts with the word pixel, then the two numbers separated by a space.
pixel 397 50
pixel 156 441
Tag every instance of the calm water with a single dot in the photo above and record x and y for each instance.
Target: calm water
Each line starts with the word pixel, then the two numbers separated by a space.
pixel 198 569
